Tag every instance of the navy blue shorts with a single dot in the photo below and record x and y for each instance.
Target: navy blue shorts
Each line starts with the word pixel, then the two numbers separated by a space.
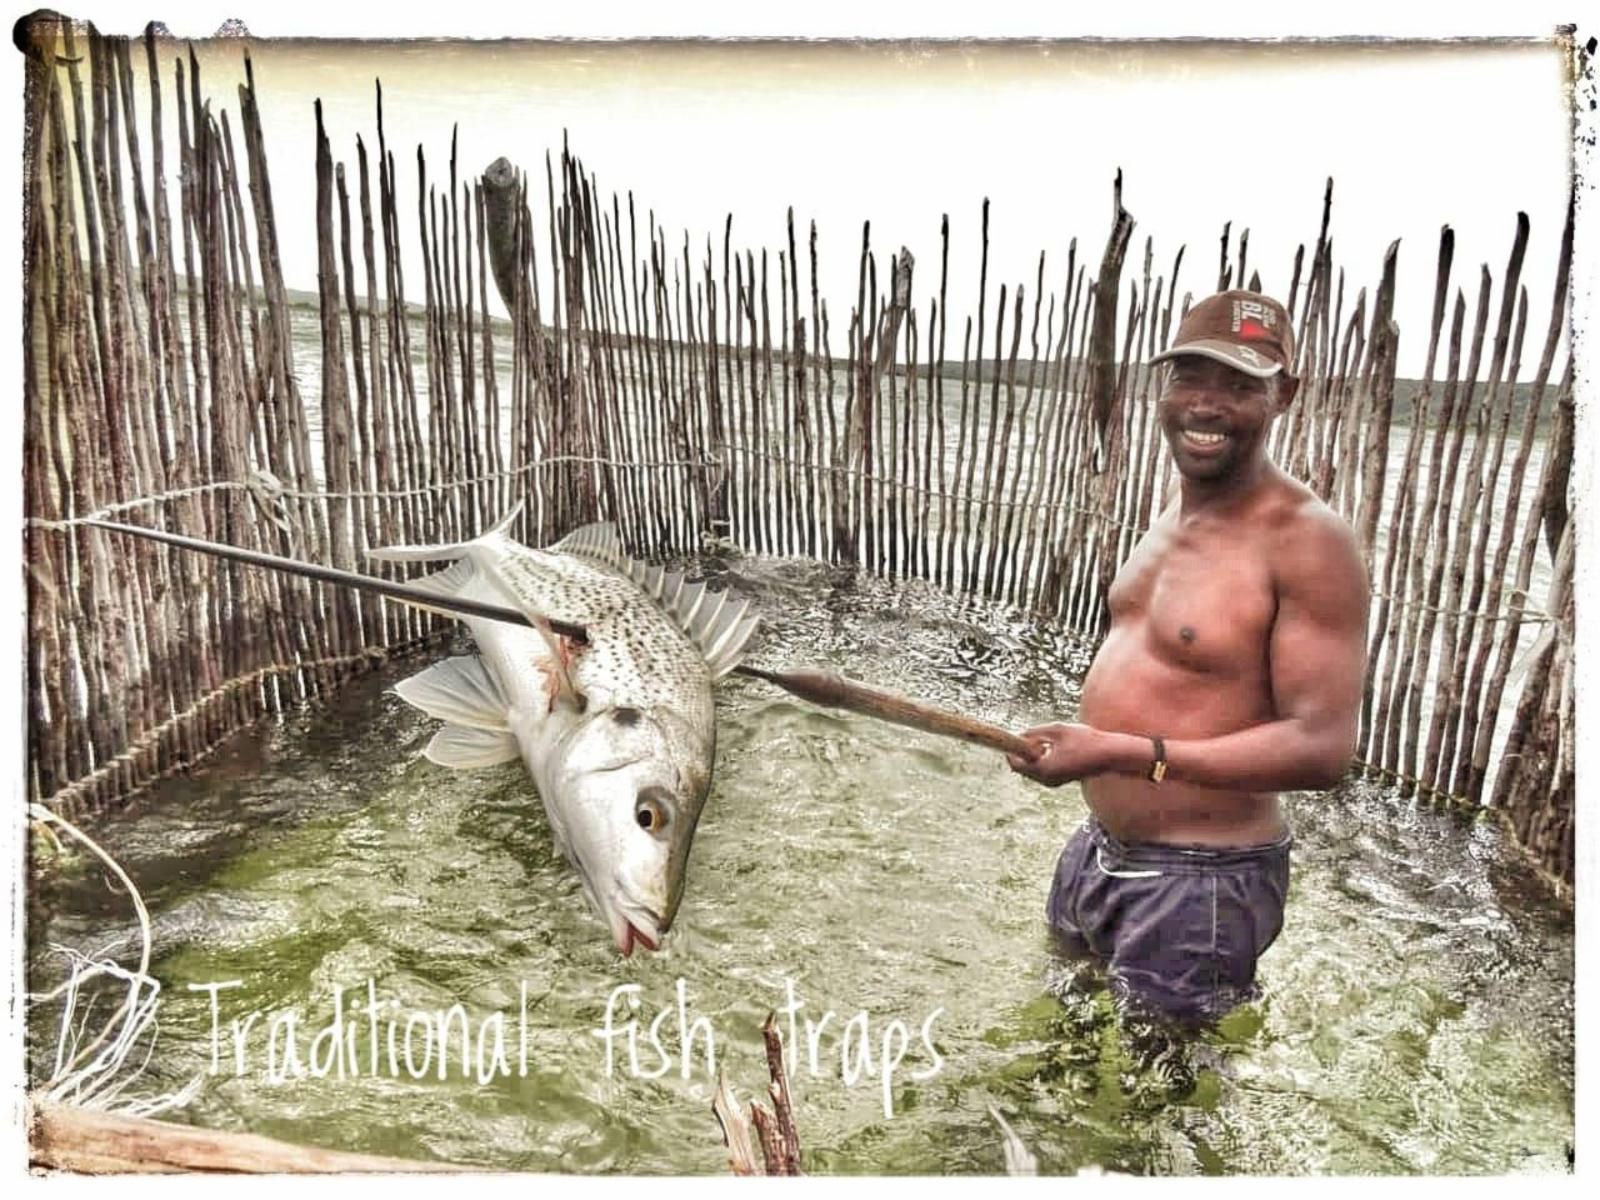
pixel 1178 928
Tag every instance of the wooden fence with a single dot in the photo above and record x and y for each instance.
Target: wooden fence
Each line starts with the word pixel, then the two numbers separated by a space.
pixel 661 387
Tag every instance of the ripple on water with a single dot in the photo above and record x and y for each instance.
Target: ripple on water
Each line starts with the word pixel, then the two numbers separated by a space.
pixel 1417 1014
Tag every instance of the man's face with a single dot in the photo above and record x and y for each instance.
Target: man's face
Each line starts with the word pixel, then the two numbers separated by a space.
pixel 1215 417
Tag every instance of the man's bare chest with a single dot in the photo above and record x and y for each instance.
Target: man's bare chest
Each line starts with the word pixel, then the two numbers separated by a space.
pixel 1203 604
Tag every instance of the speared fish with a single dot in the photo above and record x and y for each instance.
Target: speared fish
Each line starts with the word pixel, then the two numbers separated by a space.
pixel 541 654
pixel 617 732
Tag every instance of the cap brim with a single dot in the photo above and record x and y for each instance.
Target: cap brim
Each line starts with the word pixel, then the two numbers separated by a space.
pixel 1223 352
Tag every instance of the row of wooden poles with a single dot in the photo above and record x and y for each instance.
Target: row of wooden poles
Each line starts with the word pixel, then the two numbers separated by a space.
pixel 660 387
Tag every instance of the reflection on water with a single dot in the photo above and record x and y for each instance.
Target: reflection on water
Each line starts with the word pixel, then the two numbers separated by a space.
pixel 1417 1014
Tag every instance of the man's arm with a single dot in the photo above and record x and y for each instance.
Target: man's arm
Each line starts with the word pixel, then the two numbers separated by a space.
pixel 1317 661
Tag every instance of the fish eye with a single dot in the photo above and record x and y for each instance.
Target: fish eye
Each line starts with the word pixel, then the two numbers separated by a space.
pixel 625 716
pixel 651 810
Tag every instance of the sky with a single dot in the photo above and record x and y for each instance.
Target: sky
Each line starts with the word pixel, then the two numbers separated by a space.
pixel 899 135
pixel 1414 136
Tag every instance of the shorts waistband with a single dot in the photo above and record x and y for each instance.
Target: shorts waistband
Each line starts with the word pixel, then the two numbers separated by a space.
pixel 1189 858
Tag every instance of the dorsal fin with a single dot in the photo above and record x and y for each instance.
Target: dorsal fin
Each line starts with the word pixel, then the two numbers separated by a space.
pixel 720 629
pixel 598 542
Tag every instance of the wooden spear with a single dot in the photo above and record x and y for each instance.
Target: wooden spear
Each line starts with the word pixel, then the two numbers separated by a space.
pixel 819 687
pixel 835 691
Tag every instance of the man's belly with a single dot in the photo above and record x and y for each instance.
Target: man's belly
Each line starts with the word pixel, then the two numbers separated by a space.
pixel 1179 814
pixel 1128 690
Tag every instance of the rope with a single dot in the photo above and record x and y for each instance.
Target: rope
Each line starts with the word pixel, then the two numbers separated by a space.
pixel 958 497
pixel 1524 615
pixel 542 464
pixel 1432 790
pixel 270 491
pixel 111 510
pixel 267 490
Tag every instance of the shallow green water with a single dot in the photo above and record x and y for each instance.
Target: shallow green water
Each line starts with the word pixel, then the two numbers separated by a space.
pixel 1417 1015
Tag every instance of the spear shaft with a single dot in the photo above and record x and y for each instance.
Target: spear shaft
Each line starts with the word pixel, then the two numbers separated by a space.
pixel 819 687
pixel 394 589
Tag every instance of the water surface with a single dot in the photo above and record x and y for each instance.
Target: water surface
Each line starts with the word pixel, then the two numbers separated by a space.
pixel 1417 1014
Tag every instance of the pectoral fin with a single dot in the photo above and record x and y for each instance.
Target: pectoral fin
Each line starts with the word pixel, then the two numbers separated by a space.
pixel 460 691
pixel 463 748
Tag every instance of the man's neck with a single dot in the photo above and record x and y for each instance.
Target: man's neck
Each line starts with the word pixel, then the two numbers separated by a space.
pixel 1198 496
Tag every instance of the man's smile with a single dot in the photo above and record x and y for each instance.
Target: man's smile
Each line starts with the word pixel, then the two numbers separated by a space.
pixel 1196 437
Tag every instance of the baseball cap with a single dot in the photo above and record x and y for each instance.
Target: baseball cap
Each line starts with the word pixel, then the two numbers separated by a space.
pixel 1248 331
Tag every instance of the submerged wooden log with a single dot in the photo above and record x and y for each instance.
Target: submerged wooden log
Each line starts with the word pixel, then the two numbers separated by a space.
pixel 65 1138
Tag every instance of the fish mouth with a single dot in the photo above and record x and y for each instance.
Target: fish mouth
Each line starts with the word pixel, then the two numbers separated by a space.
pixel 634 924
pixel 628 935
pixel 632 936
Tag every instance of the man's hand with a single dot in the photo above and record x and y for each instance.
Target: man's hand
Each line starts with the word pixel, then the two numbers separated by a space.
pixel 1061 754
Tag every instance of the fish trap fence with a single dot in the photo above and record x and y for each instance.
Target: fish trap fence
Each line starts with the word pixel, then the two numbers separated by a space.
pixel 698 395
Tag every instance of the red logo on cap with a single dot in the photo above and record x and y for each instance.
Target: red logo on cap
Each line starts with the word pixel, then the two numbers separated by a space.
pixel 1253 331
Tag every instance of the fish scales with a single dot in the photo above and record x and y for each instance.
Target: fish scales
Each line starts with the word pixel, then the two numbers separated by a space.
pixel 618 733
pixel 635 650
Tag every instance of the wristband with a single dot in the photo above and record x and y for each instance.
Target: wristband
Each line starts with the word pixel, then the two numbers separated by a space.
pixel 1158 764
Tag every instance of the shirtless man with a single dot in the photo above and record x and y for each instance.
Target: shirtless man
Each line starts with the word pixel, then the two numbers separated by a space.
pixel 1233 669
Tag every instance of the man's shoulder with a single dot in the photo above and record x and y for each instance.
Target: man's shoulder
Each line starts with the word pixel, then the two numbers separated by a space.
pixel 1293 508
pixel 1311 542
